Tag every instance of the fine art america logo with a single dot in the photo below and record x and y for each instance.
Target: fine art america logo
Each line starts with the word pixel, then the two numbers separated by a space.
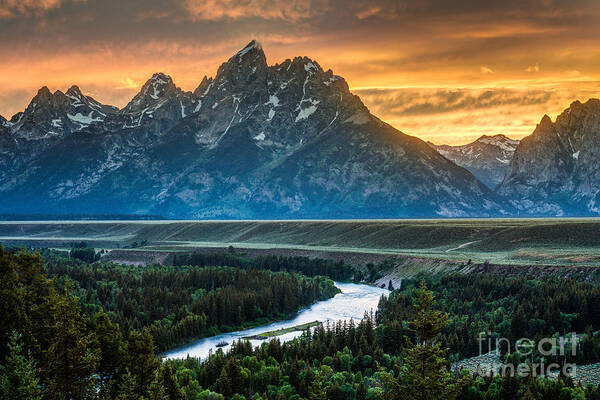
pixel 526 357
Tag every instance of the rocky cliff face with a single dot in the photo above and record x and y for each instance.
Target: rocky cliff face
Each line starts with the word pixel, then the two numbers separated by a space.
pixel 554 171
pixel 256 141
pixel 488 158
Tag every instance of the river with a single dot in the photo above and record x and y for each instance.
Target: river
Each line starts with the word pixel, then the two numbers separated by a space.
pixel 351 303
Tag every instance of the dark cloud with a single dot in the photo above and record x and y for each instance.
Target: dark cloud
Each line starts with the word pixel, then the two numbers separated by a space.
pixel 405 102
pixel 81 22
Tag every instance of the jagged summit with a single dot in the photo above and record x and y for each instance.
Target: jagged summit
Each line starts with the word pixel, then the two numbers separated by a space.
pixel 54 115
pixel 545 121
pixel 247 65
pixel 251 54
pixel 498 136
pixel 499 140
pixel 156 89
pixel 161 76
pixel 44 92
pixel 254 45
pixel 203 87
pixel 158 85
pixel 74 91
pixel 155 108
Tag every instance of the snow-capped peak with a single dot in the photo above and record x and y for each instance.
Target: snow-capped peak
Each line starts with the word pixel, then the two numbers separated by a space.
pixel 157 85
pixel 161 78
pixel 154 92
pixel 250 46
pixel 76 97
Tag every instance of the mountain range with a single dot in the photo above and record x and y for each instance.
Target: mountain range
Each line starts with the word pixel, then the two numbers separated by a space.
pixel 255 141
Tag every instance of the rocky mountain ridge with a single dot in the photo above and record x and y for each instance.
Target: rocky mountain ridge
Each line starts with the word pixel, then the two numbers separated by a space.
pixel 54 115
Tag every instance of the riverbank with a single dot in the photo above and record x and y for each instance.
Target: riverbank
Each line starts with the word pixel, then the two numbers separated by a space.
pixel 279 332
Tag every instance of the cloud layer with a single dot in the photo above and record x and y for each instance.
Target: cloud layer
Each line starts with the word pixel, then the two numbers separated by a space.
pixel 460 60
pixel 460 115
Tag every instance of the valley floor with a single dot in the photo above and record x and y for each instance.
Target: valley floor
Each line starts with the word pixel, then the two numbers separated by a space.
pixel 443 243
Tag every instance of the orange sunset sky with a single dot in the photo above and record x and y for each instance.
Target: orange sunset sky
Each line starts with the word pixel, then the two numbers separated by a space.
pixel 445 71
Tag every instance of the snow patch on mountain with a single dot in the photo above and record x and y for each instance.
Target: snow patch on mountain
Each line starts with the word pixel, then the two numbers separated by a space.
pixel 250 46
pixel 274 100
pixel 306 112
pixel 84 119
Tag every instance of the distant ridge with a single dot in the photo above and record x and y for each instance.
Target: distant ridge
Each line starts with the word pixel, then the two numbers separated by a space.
pixel 488 157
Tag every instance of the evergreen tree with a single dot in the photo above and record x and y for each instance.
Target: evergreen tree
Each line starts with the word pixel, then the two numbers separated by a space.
pixel 172 389
pixel 223 384
pixel 110 342
pixel 361 391
pixel 424 374
pixel 141 361
pixel 234 373
pixel 316 391
pixel 156 390
pixel 127 389
pixel 18 377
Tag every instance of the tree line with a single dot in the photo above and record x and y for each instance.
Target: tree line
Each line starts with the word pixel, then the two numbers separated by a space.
pixel 179 304
pixel 336 270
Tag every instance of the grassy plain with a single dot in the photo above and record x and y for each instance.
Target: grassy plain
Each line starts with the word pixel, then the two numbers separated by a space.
pixel 573 241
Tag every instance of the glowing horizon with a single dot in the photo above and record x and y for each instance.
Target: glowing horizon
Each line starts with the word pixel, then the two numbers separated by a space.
pixel 444 74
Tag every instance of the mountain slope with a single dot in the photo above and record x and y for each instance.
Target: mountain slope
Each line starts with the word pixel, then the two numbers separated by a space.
pixel 554 170
pixel 257 141
pixel 487 158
